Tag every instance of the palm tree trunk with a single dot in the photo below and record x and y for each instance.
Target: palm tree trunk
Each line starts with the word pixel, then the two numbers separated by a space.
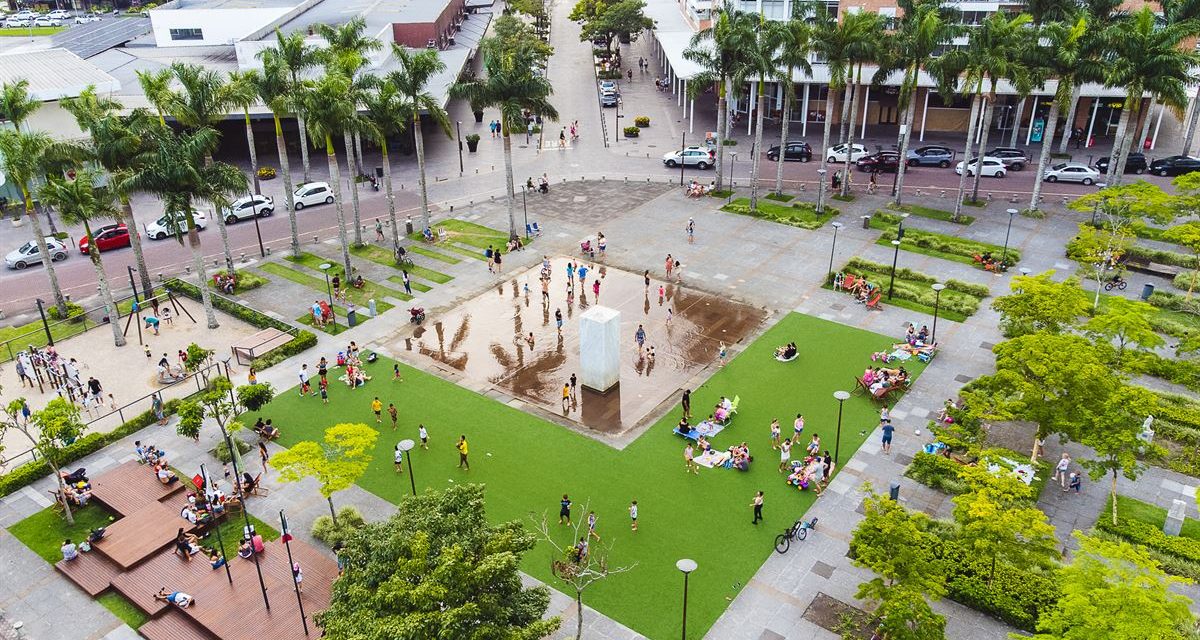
pixel 847 114
pixel 105 292
pixel 419 141
pixel 508 180
pixel 789 94
pixel 125 215
pixel 360 163
pixel 1123 154
pixel 347 139
pixel 193 235
pixel 288 196
pixel 1114 172
pixel 387 188
pixel 756 151
pixel 962 178
pixel 1193 118
pixel 335 180
pixel 253 152
pixel 1044 156
pixel 39 237
pixel 722 130
pixel 828 127
pixel 986 125
pixel 1069 125
pixel 221 225
pixel 303 144
pixel 846 104
pixel 1146 123
pixel 850 134
pixel 909 113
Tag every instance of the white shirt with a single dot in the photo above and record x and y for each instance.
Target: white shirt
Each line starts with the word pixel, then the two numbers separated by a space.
pixel 304 375
pixel 399 456
pixel 423 433
pixel 1063 464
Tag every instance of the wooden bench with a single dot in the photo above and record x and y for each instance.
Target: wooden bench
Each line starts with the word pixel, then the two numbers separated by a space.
pixel 129 487
pixel 1141 265
pixel 245 351
pixel 91 571
pixel 173 624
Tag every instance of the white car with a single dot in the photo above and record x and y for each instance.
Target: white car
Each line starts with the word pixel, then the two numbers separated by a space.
pixel 1072 172
pixel 992 167
pixel 25 13
pixel 246 208
pixel 13 22
pixel 312 193
pixel 29 254
pixel 47 21
pixel 59 14
pixel 87 18
pixel 837 153
pixel 165 227
pixel 699 157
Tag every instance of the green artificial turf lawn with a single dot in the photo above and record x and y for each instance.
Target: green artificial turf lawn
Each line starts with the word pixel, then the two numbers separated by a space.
pixel 930 212
pixel 528 463
pixel 359 296
pixel 1132 509
pixel 123 609
pixel 382 256
pixel 430 253
pixel 44 531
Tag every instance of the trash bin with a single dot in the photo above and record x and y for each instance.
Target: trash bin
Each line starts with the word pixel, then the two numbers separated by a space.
pixel 371 306
pixel 866 222
pixel 351 317
pixel 1147 290
pixel 894 490
pixel 408 228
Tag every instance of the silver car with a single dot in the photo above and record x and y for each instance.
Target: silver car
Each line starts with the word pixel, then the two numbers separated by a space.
pixel 30 254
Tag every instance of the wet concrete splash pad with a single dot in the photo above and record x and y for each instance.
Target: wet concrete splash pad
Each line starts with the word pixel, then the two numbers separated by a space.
pixel 486 339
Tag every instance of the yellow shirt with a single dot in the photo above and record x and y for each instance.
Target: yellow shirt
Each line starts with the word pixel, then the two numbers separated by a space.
pixel 376 406
pixel 462 447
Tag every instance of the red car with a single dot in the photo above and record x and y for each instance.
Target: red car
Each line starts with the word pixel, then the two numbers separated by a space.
pixel 113 236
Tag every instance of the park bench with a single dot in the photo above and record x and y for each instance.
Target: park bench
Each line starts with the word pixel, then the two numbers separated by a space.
pixel 1142 265
pixel 245 351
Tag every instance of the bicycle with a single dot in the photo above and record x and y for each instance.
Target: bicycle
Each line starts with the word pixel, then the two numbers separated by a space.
pixel 798 530
pixel 1117 283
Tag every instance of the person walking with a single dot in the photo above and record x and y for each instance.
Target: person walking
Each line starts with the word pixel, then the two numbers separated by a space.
pixel 721 353
pixel 887 427
pixel 566 401
pixel 689 461
pixel 407 283
pixel 670 314
pixel 670 265
pixel 462 452
pixel 582 273
pixel 591 522
pixel 596 289
pixel 691 230
pixel 574 381
pixel 498 261
pixel 785 454
pixel 398 458
pixel 424 436
pixel 797 428
pixel 639 337
pixel 775 434
pixel 1061 469
pixel 633 513
pixel 558 319
pixel 264 455
pixel 564 510
pixel 379 237
pixel 562 138
pixel 377 407
pixel 646 276
pixel 687 403
pixel 757 503
pixel 393 414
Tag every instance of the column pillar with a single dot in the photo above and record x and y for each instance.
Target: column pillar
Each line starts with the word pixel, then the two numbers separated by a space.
pixel 1157 124
pixel 1032 117
pixel 1092 120
pixel 866 103
pixel 804 113
pixel 925 114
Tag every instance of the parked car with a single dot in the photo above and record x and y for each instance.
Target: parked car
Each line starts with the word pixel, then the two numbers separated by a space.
pixel 992 167
pixel 879 161
pixel 166 227
pixel 1135 163
pixel 245 208
pixel 85 18
pixel 1072 172
pixel 699 157
pixel 47 21
pixel 28 254
pixel 311 193
pixel 112 236
pixel 25 13
pixel 1012 157
pixel 607 86
pixel 930 156
pixel 59 14
pixel 837 153
pixel 1174 165
pixel 610 99
pixel 13 22
pixel 796 150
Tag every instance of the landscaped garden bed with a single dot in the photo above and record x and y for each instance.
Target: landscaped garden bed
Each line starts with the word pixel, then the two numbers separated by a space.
pixel 913 291
pixel 799 214
pixel 931 213
pixel 939 245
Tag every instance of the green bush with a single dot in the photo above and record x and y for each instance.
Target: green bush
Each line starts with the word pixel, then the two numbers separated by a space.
pixel 632 132
pixel 472 137
pixel 642 121
pixel 302 341
pixel 243 281
pixel 1148 535
pixel 255 396
pixel 937 472
pixel 74 312
pixel 938 242
pixel 1159 256
pixel 1183 372
pixel 1173 565
pixel 222 451
pixel 611 74
pixel 959 298
pixel 1175 302
pixel 1185 280
pixel 349 521
pixel 1014 595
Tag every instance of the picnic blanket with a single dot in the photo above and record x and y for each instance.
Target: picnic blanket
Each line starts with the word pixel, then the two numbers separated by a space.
pixel 709 429
pixel 712 458
pixel 1023 471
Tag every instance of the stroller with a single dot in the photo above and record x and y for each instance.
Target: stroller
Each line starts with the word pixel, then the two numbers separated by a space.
pixel 416 315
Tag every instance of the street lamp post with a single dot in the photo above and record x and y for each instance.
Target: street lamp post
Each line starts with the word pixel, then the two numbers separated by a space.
pixel 687 566
pixel 287 542
pixel 832 248
pixel 525 211
pixel 46 325
pixel 220 542
pixel 406 446
pixel 821 190
pixel 458 128
pixel 841 396
pixel 937 301
pixel 1012 213
pixel 895 259
pixel 682 146
pixel 732 160
pixel 325 267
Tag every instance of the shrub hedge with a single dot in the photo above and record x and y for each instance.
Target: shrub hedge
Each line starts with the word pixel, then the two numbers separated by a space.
pixel 1183 372
pixel 1148 535
pixel 1014 595
pixel 938 242
pixel 1173 565
pixel 1160 256
pixel 349 521
pixel 959 300
pixel 800 214
pixel 938 472
pixel 1185 279
pixel 302 341
pixel 1175 302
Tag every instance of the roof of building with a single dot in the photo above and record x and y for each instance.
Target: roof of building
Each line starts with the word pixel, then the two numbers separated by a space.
pixel 198 5
pixel 55 74
pixel 379 15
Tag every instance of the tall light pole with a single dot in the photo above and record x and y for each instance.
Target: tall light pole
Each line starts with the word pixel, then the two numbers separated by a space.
pixel 406 446
pixel 687 566
pixel 836 225
pixel 682 146
pixel 895 258
pixel 732 160
pixel 458 127
pixel 287 542
pixel 937 301
pixel 841 396
pixel 821 190
pixel 1012 213
pixel 325 267
pixel 525 211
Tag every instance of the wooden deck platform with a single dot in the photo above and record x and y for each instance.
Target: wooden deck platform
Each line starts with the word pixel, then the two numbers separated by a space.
pixel 164 569
pixel 92 572
pixel 139 535
pixel 173 624
pixel 131 486
pixel 246 350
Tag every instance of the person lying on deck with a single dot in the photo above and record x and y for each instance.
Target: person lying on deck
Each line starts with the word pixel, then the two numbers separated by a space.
pixel 177 598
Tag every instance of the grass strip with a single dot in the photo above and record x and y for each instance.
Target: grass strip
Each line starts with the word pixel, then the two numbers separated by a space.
pixel 430 253
pixel 123 608
pixel 382 256
pixel 801 214
pixel 930 212
pixel 938 245
pixel 359 297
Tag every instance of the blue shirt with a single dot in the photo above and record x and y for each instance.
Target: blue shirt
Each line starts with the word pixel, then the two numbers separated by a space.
pixel 887 430
pixel 582 272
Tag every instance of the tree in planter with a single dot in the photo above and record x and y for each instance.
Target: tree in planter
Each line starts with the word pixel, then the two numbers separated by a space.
pixel 999 521
pixel 1115 590
pixel 216 402
pixel 327 110
pixel 49 431
pixel 578 573
pixel 255 396
pixel 795 39
pixel 385 118
pixel 438 569
pixel 472 142
pixel 610 19
pixel 1124 322
pixel 336 463
pixel 1114 435
pixel 1188 235
pixel 1097 250
pixel 1038 303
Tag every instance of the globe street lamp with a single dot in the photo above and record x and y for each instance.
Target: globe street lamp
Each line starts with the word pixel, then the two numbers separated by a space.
pixel 406 446
pixel 895 258
pixel 687 566
pixel 325 267
pixel 937 300
pixel 1012 213
pixel 836 226
pixel 821 190
pixel 841 396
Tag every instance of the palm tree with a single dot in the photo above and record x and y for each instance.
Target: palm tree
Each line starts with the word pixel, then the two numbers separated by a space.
pixel 509 85
pixel 1063 58
pixel 794 39
pixel 27 157
pixel 156 86
pixel 328 111
pixel 761 62
pixel 1146 57
pixel 1175 11
pixel 411 79
pixel 926 25
pixel 16 105
pixel 273 89
pixel 1100 14
pixel 864 36
pixel 295 56
pixel 81 201
pixel 386 117
pixel 178 169
pixel 830 40
pixel 116 142
pixel 243 92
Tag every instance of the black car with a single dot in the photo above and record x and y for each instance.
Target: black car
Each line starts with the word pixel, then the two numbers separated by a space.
pixel 930 156
pixel 796 150
pixel 1012 157
pixel 879 161
pixel 1135 163
pixel 1174 165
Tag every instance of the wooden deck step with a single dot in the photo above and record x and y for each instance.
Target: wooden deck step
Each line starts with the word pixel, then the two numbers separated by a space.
pixel 173 625
pixel 92 572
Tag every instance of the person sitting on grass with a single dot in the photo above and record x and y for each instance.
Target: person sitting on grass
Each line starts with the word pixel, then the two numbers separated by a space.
pixel 703 445
pixel 69 550
pixel 787 351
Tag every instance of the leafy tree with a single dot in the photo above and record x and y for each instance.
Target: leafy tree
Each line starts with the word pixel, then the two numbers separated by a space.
pixel 437 569
pixel 197 357
pixel 1188 235
pixel 1117 591
pixel 255 396
pixel 216 402
pixel 1099 250
pixel 511 36
pixel 905 614
pixel 1038 303
pixel 1125 322
pixel 999 520
pixel 48 431
pixel 1114 435
pixel 191 418
pixel 336 463
pixel 610 20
